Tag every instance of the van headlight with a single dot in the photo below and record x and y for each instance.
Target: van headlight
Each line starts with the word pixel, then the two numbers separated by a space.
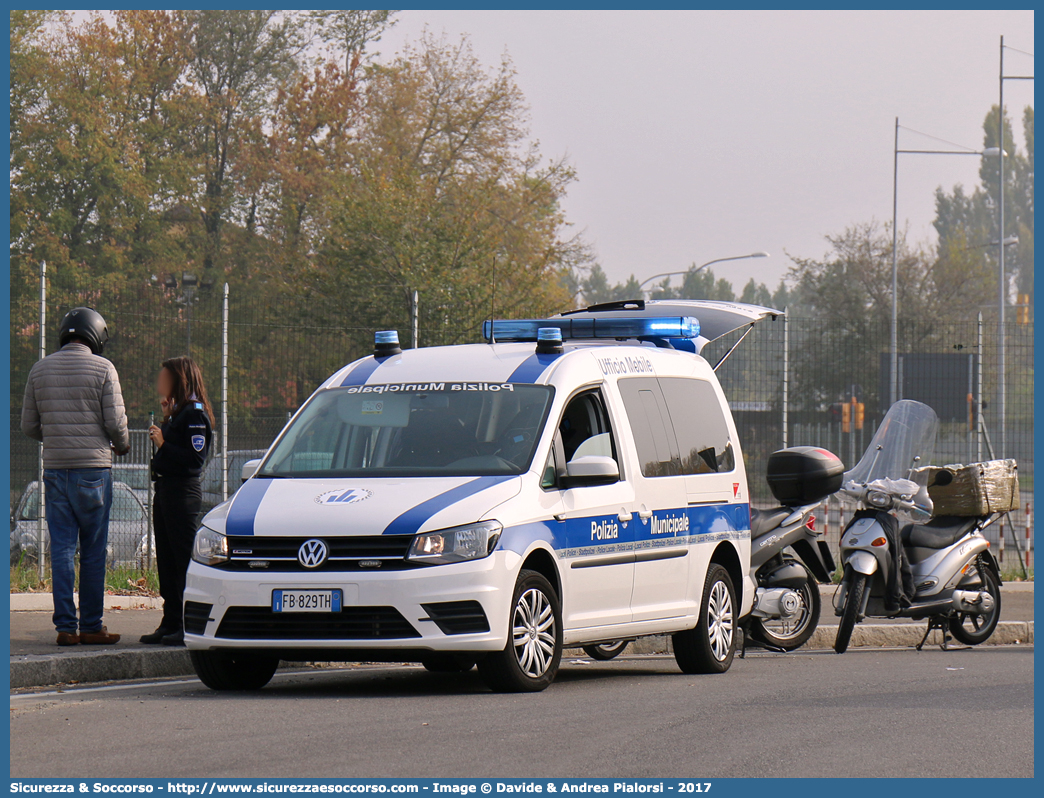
pixel 210 547
pixel 462 543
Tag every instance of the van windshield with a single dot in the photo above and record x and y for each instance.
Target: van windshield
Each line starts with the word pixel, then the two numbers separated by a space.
pixel 413 429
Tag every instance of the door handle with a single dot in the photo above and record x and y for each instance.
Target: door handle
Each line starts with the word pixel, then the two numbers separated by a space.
pixel 624 516
pixel 644 514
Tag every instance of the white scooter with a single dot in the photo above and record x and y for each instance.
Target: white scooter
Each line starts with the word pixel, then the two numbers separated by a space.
pixel 941 570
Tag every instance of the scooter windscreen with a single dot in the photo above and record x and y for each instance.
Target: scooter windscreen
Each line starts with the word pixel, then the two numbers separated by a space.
pixel 904 441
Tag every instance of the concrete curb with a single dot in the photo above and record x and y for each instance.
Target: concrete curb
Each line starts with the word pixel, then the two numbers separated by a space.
pixel 151 663
pixel 877 635
pixel 39 670
pixel 37 602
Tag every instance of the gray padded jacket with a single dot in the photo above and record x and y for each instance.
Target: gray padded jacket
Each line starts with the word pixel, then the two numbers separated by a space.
pixel 73 404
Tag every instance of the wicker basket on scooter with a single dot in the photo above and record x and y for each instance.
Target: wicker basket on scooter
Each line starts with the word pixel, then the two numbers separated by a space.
pixel 976 489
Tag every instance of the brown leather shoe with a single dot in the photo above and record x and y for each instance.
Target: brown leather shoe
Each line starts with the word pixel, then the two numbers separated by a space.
pixel 100 638
pixel 68 639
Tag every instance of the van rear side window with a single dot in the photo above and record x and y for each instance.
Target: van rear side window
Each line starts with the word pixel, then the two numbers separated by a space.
pixel 699 426
pixel 650 425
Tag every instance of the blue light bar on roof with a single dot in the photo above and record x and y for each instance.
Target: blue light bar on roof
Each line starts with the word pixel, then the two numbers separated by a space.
pixel 660 327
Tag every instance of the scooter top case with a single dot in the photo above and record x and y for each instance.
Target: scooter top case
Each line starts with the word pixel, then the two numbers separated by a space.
pixel 803 475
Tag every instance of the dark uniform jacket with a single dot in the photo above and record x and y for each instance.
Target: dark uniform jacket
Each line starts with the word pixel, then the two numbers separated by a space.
pixel 186 443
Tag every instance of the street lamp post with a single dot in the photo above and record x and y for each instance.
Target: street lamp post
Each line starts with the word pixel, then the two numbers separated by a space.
pixel 701 267
pixel 1002 299
pixel 896 152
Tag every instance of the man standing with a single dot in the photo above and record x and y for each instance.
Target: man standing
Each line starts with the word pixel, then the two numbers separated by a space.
pixel 74 405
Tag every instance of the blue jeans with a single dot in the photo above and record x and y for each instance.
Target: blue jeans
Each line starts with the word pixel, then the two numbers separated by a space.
pixel 77 509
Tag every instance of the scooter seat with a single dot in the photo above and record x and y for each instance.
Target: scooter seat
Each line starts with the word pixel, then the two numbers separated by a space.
pixel 762 521
pixel 939 532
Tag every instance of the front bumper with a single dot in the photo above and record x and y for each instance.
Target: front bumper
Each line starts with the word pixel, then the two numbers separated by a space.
pixel 382 612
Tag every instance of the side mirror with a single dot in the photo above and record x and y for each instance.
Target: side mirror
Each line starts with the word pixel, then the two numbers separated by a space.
pixel 591 469
pixel 250 468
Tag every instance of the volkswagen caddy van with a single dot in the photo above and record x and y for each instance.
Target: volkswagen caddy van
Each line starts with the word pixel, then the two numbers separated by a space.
pixel 573 481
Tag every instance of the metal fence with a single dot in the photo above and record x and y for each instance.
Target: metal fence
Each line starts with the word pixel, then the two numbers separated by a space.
pixel 787 382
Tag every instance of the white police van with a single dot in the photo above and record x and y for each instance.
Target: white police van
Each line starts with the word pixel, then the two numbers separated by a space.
pixel 577 480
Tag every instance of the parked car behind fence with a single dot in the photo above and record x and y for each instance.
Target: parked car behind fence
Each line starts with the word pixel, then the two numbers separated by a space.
pixel 128 528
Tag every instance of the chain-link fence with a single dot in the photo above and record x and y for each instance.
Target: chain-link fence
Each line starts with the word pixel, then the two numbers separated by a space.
pixel 790 382
pixel 836 377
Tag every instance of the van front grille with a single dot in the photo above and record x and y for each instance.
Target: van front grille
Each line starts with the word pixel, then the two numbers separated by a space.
pixel 349 553
pixel 351 623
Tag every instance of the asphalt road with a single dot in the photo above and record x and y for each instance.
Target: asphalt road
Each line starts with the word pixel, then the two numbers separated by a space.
pixel 865 713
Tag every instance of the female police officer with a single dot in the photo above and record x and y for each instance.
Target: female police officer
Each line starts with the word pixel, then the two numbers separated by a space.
pixel 182 445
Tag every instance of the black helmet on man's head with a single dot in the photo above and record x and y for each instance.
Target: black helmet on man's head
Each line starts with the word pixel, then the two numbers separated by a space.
pixel 87 325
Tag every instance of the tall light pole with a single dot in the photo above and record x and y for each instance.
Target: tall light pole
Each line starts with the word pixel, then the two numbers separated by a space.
pixel 896 152
pixel 701 267
pixel 1002 299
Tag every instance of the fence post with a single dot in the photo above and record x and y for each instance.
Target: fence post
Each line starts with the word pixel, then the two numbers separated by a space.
pixel 978 397
pixel 224 395
pixel 41 510
pixel 1029 532
pixel 786 375
pixel 414 316
pixel 150 542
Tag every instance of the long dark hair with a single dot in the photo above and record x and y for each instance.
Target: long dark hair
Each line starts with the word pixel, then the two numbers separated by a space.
pixel 188 383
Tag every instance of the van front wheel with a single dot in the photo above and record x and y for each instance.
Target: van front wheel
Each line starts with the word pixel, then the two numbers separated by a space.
pixel 530 660
pixel 222 670
pixel 710 647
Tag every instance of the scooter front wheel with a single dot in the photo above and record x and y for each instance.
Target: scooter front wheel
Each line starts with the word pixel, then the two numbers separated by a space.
pixel 853 603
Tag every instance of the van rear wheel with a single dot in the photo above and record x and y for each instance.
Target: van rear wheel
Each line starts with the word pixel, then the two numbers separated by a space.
pixel 710 647
pixel 530 660
pixel 224 670
pixel 606 651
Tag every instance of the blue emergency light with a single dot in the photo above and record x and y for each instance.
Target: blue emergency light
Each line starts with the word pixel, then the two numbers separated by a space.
pixel 386 343
pixel 648 328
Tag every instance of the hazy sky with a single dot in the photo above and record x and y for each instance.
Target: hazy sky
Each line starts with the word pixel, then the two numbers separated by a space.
pixel 699 134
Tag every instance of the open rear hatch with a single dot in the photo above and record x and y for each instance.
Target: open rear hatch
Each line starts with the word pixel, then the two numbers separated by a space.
pixel 716 318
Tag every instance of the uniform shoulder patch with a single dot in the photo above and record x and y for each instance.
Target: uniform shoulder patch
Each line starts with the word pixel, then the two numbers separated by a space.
pixel 198 442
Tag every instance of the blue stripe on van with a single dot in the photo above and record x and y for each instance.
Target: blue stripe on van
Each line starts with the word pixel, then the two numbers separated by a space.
pixel 594 534
pixel 240 520
pixel 410 521
pixel 532 367
pixel 361 373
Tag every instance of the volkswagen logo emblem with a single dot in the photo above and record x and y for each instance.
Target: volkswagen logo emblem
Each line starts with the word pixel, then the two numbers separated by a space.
pixel 312 553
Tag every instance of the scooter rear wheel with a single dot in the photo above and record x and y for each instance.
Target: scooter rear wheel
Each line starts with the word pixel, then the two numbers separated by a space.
pixel 973 629
pixel 793 633
pixel 853 603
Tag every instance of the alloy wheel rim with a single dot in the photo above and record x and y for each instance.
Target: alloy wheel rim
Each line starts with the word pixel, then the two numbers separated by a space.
pixel 533 633
pixel 720 622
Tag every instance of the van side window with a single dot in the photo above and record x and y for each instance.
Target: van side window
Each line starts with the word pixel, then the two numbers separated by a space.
pixel 699 425
pixel 583 430
pixel 651 426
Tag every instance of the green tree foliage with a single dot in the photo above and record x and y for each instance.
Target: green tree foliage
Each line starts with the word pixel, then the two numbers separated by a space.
pixel 696 284
pixel 350 31
pixel 145 144
pixel 968 222
pixel 756 294
pixel 446 196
